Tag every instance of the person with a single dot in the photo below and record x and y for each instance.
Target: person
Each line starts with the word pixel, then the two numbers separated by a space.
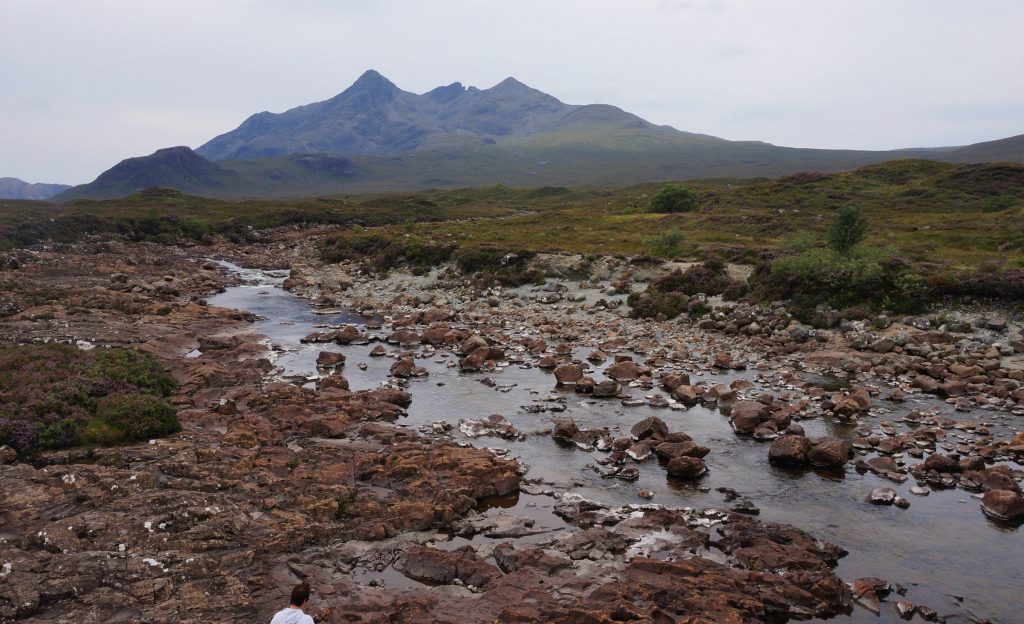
pixel 294 614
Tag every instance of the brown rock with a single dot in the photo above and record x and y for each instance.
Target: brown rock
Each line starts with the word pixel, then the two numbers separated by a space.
pixel 330 359
pixel 686 468
pixel 830 453
pixel 1003 505
pixel 648 427
pixel 789 450
pixel 623 371
pixel 568 374
pixel 746 416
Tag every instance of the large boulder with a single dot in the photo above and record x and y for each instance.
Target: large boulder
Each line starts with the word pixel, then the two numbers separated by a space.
pixel 747 415
pixel 830 453
pixel 789 450
pixel 1003 505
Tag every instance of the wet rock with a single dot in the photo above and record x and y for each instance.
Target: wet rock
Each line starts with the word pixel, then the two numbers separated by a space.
pixel 652 426
pixel 1005 505
pixel 857 401
pixel 423 563
pixel 564 430
pixel 723 360
pixel 685 394
pixel 626 370
pixel 640 451
pixel 334 381
pixel 882 496
pixel 404 337
pixel 406 367
pixel 746 416
pixel 568 374
pixel 789 450
pixel 687 468
pixel 330 359
pixel 830 453
pixel 688 448
pixel 493 425
pixel 471 344
pixel 941 463
pixel 674 380
pixel 608 388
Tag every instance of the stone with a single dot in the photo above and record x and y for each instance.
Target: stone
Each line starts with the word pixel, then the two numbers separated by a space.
pixel 830 453
pixel 649 427
pixel 330 359
pixel 747 415
pixel 1004 505
pixel 8 455
pixel 941 463
pixel 623 371
pixel 687 468
pixel 608 388
pixel 882 496
pixel 789 450
pixel 568 374
pixel 564 430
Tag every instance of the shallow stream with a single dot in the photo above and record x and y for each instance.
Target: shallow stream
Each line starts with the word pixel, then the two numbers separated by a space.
pixel 942 548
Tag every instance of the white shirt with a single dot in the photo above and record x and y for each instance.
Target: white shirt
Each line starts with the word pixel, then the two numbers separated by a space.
pixel 291 616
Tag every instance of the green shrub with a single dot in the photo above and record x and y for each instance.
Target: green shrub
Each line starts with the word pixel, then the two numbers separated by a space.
pixel 847 230
pixel 673 198
pixel 667 244
pixel 121 419
pixel 866 276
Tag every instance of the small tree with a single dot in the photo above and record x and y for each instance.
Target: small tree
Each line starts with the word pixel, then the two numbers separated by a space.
pixel 673 198
pixel 847 230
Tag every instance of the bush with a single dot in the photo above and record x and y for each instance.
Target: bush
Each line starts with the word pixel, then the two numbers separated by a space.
pixel 121 419
pixel 847 230
pixel 667 244
pixel 673 198
pixel 52 395
pixel 870 277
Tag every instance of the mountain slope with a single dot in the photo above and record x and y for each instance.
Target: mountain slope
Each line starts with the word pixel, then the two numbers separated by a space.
pixel 374 136
pixel 13 188
pixel 182 169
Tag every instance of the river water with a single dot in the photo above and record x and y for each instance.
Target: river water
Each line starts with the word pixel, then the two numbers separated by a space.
pixel 942 548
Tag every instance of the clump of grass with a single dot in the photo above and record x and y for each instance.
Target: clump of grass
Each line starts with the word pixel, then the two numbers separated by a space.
pixel 667 244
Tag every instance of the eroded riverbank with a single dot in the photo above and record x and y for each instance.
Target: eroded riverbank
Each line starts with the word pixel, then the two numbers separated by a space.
pixel 271 481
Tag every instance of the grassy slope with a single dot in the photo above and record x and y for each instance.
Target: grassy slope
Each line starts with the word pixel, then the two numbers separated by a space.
pixel 950 215
pixel 932 212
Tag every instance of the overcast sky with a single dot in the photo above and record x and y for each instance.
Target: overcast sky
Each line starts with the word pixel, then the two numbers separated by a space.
pixel 86 83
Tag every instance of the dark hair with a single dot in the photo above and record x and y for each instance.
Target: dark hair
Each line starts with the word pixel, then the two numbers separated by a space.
pixel 300 594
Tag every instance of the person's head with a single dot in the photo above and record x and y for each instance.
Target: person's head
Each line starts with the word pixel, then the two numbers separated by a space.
pixel 300 595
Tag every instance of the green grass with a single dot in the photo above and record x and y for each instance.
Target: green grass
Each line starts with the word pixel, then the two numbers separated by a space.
pixel 953 217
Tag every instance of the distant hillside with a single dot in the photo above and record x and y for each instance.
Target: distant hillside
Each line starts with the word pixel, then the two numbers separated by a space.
pixel 373 137
pixel 182 169
pixel 1002 150
pixel 13 188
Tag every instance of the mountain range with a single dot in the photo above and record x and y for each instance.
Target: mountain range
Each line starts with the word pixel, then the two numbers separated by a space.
pixel 374 136
pixel 13 188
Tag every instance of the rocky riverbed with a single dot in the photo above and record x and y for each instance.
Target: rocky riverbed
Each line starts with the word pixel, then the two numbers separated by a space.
pixel 424 450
